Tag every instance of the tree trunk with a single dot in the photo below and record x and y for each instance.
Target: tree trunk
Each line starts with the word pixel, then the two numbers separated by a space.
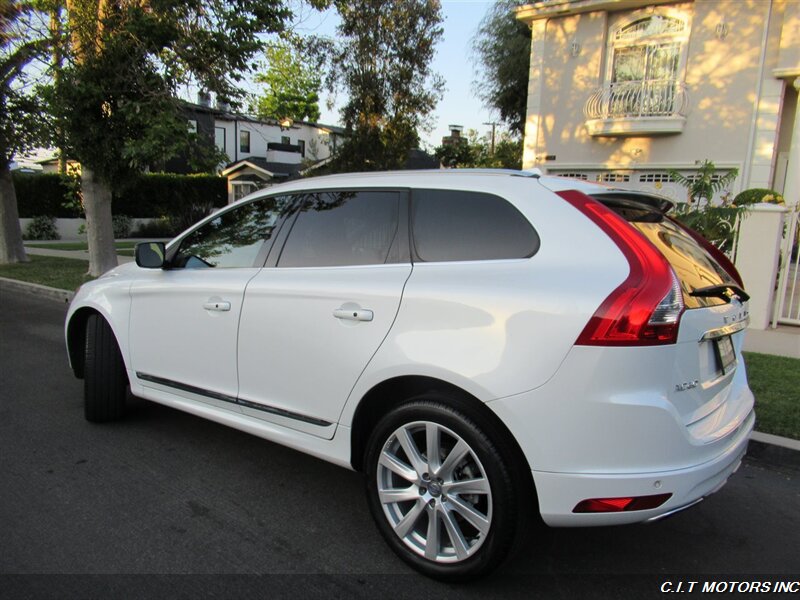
pixel 99 226
pixel 11 248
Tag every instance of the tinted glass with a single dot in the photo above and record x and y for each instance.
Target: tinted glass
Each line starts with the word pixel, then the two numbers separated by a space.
pixel 693 265
pixel 232 239
pixel 343 228
pixel 452 225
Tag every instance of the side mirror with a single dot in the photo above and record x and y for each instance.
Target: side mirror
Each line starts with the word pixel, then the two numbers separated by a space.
pixel 150 255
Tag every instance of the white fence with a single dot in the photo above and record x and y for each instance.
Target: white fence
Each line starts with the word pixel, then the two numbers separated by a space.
pixel 787 296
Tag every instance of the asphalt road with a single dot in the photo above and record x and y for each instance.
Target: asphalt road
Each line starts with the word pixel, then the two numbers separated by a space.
pixel 165 504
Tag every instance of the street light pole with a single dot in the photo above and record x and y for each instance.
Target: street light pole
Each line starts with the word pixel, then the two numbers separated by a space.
pixel 494 126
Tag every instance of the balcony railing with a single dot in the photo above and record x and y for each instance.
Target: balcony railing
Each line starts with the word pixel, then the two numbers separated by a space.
pixel 633 107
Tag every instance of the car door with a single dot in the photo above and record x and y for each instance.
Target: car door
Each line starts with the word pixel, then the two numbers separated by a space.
pixel 311 323
pixel 184 319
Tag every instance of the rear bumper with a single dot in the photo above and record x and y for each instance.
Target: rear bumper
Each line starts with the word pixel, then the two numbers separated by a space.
pixel 559 493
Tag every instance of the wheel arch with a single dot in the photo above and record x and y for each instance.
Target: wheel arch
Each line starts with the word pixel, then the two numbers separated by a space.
pixel 388 394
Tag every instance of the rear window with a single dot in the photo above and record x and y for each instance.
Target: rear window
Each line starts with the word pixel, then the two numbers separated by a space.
pixel 693 265
pixel 458 226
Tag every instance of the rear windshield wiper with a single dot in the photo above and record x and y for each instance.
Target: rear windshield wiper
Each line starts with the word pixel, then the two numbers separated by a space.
pixel 723 291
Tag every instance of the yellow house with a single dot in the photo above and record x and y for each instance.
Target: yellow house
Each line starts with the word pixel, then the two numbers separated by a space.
pixel 623 90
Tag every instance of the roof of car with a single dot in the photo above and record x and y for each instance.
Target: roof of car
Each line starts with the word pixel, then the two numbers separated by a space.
pixel 552 183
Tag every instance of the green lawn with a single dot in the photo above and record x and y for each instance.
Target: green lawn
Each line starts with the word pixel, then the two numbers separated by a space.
pixel 775 381
pixel 78 246
pixel 53 271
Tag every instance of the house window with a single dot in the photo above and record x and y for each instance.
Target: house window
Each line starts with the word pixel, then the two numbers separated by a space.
pixel 646 60
pixel 302 145
pixel 285 139
pixel 219 139
pixel 656 178
pixel 613 178
pixel 192 125
pixel 244 141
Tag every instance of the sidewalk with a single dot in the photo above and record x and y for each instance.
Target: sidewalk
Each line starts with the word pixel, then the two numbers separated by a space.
pixel 77 254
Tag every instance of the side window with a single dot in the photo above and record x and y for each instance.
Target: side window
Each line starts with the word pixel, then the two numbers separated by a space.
pixel 454 225
pixel 343 228
pixel 234 238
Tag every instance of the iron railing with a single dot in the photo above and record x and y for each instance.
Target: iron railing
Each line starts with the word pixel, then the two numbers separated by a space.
pixel 631 99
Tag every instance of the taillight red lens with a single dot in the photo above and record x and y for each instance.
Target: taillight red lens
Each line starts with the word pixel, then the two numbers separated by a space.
pixel 604 505
pixel 645 310
pixel 715 252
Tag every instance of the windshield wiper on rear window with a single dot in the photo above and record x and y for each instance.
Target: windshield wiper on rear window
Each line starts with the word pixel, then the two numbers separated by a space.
pixel 726 291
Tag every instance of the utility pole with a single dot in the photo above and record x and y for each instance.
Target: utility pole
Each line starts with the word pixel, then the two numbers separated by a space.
pixel 494 127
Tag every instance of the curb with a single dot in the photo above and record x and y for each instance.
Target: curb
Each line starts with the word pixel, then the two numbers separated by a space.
pixel 762 439
pixel 775 440
pixel 52 293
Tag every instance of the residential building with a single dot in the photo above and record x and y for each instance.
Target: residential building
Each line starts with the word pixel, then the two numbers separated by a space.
pixel 260 152
pixel 624 90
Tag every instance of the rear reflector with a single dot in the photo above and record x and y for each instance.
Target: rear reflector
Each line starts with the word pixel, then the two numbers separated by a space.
pixel 646 309
pixel 606 505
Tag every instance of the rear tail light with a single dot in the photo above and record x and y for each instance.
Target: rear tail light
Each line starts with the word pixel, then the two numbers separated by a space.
pixel 646 309
pixel 715 252
pixel 605 505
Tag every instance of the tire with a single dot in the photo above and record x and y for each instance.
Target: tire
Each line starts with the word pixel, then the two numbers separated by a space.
pixel 105 381
pixel 444 529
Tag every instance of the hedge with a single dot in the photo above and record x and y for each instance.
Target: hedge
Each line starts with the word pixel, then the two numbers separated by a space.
pixel 42 195
pixel 150 195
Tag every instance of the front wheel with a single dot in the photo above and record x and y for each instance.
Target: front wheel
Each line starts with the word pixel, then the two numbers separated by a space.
pixel 105 382
pixel 440 491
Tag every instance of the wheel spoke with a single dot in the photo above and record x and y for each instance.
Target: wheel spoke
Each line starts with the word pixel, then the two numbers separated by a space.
pixel 467 486
pixel 406 524
pixel 409 445
pixel 432 446
pixel 399 495
pixel 458 452
pixel 454 533
pixel 398 467
pixel 432 538
pixel 475 518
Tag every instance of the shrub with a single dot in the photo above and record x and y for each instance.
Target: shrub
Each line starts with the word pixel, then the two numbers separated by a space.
pixel 163 227
pixel 715 223
pixel 182 197
pixel 45 194
pixel 122 226
pixel 179 196
pixel 42 228
pixel 756 195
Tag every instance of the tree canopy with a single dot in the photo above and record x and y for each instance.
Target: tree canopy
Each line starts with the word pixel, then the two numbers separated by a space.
pixel 382 61
pixel 291 86
pixel 117 95
pixel 502 47
pixel 473 151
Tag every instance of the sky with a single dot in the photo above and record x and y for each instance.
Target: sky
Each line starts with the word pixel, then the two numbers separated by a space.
pixel 453 62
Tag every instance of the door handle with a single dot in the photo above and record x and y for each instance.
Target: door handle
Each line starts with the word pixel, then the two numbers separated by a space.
pixel 220 306
pixel 353 314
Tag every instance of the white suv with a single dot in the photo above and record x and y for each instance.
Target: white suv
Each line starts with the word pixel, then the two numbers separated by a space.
pixel 478 343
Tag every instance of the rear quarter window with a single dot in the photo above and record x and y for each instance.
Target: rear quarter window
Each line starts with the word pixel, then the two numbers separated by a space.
pixel 460 226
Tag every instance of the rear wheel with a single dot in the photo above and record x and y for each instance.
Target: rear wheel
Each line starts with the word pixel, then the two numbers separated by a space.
pixel 440 492
pixel 105 381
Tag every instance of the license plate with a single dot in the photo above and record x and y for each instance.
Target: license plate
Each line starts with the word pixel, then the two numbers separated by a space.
pixel 726 355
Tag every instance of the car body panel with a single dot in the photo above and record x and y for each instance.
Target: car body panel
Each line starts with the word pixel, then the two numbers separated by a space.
pixel 295 354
